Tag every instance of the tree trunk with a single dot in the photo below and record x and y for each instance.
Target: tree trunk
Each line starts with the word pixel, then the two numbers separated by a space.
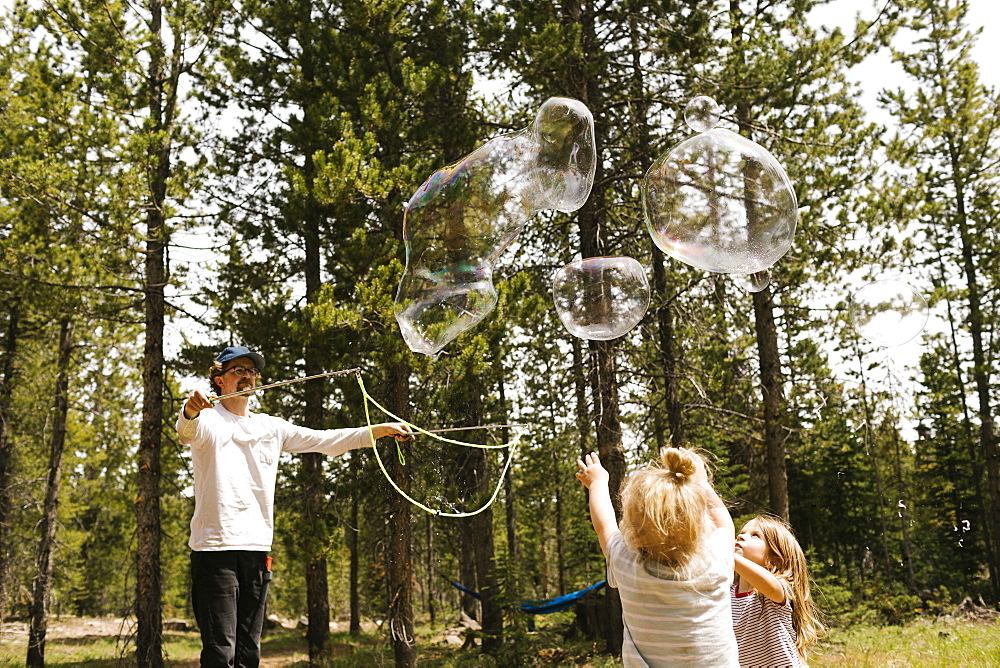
pixel 467 563
pixel 510 504
pixel 774 402
pixel 431 571
pixel 593 243
pixel 42 584
pixel 764 325
pixel 583 419
pixel 871 449
pixel 6 445
pixel 317 591
pixel 664 314
pixel 668 354
pixel 981 368
pixel 149 619
pixel 352 546
pixel 903 513
pixel 318 538
pixel 976 470
pixel 476 481
pixel 400 561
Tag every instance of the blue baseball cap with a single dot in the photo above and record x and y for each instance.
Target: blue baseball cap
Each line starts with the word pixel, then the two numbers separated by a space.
pixel 232 352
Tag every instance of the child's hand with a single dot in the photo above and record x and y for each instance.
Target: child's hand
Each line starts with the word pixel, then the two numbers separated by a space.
pixel 700 472
pixel 591 470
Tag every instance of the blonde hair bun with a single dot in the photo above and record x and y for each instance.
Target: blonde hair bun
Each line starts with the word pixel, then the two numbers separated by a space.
pixel 665 514
pixel 679 462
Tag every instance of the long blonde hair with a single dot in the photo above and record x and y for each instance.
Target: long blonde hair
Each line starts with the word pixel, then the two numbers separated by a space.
pixel 787 562
pixel 665 512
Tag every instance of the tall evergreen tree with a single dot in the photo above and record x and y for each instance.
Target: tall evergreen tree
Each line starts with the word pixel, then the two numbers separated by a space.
pixel 949 134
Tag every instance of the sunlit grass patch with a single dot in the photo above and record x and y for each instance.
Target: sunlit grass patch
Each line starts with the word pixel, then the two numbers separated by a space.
pixel 941 642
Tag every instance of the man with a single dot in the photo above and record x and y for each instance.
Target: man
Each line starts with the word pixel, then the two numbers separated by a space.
pixel 235 455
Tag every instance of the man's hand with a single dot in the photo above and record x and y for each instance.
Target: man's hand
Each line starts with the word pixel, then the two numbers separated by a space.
pixel 196 403
pixel 398 430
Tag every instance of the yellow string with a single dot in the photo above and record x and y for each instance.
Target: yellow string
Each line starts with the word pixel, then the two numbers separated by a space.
pixel 371 435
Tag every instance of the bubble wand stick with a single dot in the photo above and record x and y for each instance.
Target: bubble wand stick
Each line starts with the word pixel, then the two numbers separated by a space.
pixel 284 382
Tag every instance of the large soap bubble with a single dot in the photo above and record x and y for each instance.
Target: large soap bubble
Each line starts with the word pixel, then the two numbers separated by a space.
pixel 600 298
pixel 718 201
pixel 888 312
pixel 462 218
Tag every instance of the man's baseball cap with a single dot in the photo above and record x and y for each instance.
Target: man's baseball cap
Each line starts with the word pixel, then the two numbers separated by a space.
pixel 232 352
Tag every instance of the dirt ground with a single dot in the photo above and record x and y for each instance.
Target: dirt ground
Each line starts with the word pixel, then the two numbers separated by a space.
pixel 80 628
pixel 72 627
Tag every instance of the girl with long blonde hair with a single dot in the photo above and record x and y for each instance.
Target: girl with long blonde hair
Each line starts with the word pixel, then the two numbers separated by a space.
pixel 774 615
pixel 671 560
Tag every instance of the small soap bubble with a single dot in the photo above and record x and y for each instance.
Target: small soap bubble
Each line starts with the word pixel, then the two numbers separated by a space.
pixel 888 312
pixel 753 282
pixel 601 298
pixel 702 113
pixel 459 222
pixel 721 203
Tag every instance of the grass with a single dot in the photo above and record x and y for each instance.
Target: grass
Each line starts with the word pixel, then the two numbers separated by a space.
pixel 925 642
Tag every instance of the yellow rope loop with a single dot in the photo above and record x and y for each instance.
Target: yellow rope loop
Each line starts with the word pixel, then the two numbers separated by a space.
pixel 371 435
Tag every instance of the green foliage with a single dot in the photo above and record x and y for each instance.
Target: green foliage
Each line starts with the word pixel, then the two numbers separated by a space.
pixel 336 111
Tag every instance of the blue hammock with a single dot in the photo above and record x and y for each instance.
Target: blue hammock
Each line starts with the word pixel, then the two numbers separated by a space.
pixel 546 605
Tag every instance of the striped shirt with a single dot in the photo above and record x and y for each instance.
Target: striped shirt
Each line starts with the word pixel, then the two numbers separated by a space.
pixel 764 630
pixel 671 622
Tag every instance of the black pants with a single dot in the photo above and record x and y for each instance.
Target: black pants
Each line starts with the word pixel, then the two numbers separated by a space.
pixel 228 593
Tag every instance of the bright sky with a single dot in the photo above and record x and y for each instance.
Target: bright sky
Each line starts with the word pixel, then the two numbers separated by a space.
pixel 882 73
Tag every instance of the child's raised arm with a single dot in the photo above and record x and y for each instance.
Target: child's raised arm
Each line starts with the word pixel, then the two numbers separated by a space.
pixel 718 511
pixel 595 478
pixel 759 578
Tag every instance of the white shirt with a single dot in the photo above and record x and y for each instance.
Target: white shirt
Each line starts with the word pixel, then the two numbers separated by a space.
pixel 672 622
pixel 235 461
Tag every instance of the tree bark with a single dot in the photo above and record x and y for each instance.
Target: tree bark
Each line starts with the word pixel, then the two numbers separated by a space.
pixel 668 355
pixel 774 402
pixel 980 369
pixel 149 619
pixel 6 445
pixel 400 563
pixel 903 512
pixel 476 479
pixel 871 449
pixel 593 243
pixel 976 470
pixel 355 557
pixel 42 585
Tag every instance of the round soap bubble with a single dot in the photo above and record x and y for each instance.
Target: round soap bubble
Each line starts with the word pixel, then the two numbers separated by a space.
pixel 888 312
pixel 459 222
pixel 443 304
pixel 721 203
pixel 600 298
pixel 702 113
pixel 753 282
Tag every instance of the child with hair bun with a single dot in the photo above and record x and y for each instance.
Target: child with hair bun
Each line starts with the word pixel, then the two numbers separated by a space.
pixel 774 616
pixel 671 561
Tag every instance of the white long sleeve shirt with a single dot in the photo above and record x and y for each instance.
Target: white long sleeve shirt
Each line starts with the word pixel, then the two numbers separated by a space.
pixel 235 462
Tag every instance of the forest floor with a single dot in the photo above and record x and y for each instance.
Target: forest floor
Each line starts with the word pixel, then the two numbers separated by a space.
pixel 103 643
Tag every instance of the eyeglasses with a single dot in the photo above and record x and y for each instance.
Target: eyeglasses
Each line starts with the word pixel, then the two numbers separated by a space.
pixel 241 371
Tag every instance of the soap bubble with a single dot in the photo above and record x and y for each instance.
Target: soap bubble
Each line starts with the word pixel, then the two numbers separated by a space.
pixel 721 203
pixel 888 312
pixel 753 282
pixel 600 298
pixel 702 113
pixel 459 222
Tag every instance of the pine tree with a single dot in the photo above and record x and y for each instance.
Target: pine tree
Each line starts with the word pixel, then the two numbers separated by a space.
pixel 951 133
